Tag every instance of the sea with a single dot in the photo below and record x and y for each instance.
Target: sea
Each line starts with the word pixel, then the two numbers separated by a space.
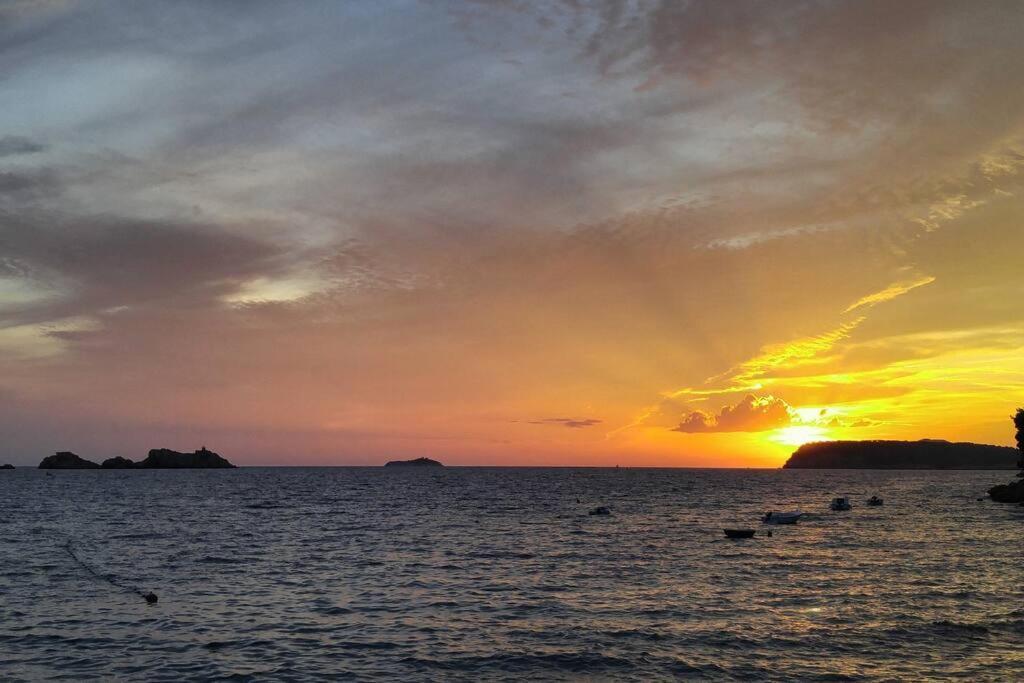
pixel 500 574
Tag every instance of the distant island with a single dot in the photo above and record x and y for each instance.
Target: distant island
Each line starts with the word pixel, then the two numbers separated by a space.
pixel 158 458
pixel 66 460
pixel 8 466
pixel 418 462
pixel 927 454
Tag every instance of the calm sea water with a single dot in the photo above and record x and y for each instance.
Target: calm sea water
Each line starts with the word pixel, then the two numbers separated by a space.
pixel 499 574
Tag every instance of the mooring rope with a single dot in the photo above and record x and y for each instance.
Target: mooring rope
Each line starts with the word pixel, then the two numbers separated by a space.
pixel 148 597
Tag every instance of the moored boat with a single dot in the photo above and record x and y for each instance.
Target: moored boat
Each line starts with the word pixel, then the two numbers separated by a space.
pixel 739 533
pixel 875 501
pixel 790 517
pixel 840 504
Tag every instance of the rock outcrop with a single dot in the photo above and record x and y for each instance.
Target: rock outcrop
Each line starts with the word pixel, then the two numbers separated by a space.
pixel 418 462
pixel 927 454
pixel 117 463
pixel 1014 491
pixel 7 467
pixel 1008 493
pixel 66 460
pixel 165 458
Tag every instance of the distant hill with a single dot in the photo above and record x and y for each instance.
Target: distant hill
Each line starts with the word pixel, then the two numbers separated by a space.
pixel 927 454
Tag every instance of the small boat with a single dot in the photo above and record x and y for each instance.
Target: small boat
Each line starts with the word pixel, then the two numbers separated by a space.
pixel 875 501
pixel 840 504
pixel 602 510
pixel 773 517
pixel 739 533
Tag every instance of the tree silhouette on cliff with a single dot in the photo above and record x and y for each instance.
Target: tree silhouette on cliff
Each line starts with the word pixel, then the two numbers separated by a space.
pixel 1014 491
pixel 1018 422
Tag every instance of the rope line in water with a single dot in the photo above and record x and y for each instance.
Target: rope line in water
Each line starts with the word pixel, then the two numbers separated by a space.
pixel 148 597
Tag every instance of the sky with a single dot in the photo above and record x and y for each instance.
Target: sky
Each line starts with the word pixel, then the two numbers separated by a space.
pixel 635 232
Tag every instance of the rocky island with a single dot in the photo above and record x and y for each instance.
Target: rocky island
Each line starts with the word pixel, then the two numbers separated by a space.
pixel 158 458
pixel 8 466
pixel 927 454
pixel 66 460
pixel 117 463
pixel 418 462
pixel 162 458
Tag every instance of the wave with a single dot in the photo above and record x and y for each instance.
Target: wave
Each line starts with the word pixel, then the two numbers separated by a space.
pixel 573 662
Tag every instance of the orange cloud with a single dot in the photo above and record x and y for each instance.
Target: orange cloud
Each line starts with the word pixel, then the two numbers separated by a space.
pixel 752 414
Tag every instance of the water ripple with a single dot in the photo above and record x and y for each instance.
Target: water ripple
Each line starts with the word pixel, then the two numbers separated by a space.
pixel 500 574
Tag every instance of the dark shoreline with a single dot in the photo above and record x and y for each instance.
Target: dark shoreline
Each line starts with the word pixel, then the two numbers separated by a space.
pixel 926 454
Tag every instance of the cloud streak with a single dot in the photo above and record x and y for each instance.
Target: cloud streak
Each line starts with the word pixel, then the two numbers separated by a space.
pixel 16 145
pixel 571 423
pixel 891 292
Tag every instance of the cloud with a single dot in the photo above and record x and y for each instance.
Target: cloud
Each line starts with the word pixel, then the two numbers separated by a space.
pixel 787 354
pixel 569 422
pixel 891 292
pixel 13 145
pixel 99 262
pixel 400 216
pixel 752 414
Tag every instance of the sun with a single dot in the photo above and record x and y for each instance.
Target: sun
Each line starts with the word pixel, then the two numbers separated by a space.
pixel 797 435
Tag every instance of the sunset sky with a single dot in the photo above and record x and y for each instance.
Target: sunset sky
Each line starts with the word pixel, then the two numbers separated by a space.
pixel 508 233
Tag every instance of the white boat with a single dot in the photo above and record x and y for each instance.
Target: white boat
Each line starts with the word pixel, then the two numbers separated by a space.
pixel 840 504
pixel 773 517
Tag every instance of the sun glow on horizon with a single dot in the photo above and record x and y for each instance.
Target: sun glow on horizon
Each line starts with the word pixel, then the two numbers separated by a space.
pixel 798 435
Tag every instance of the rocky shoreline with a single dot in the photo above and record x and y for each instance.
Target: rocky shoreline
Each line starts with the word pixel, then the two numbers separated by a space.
pixel 1008 493
pixel 1013 492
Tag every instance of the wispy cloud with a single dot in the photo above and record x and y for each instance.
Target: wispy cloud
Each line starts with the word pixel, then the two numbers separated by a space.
pixel 572 423
pixel 15 145
pixel 891 292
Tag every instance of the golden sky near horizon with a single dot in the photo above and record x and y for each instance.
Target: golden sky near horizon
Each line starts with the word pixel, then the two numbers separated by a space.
pixel 568 233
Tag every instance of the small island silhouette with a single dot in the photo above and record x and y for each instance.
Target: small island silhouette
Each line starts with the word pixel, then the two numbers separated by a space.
pixel 418 462
pixel 158 458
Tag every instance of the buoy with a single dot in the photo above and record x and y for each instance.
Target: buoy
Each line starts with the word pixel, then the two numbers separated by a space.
pixel 150 597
